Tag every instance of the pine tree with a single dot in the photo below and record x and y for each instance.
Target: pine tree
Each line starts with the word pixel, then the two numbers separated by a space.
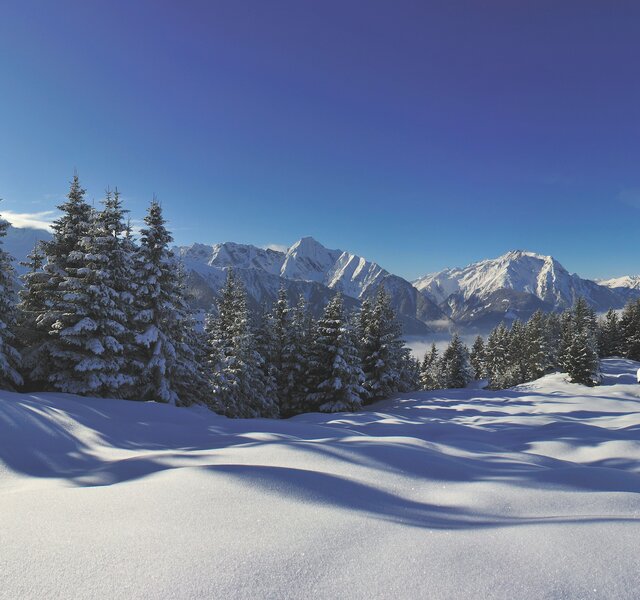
pixel 10 358
pixel 610 335
pixel 34 303
pixel 535 336
pixel 430 375
pixel 238 378
pixel 497 358
pixel 60 360
pixel 456 368
pixel 630 326
pixel 295 358
pixel 553 341
pixel 381 347
pixel 580 358
pixel 477 358
pixel 517 357
pixel 161 318
pixel 334 365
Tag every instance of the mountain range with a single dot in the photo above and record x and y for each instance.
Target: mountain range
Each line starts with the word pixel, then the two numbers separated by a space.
pixel 473 298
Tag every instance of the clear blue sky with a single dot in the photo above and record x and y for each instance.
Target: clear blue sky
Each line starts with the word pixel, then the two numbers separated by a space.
pixel 419 134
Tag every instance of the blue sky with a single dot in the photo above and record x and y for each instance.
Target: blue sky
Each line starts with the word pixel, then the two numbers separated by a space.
pixel 419 134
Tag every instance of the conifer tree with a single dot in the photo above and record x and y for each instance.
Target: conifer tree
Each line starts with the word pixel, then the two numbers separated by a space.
pixel 535 337
pixel 609 335
pixel 430 376
pixel 10 359
pixel 61 359
pixel 161 318
pixel 381 347
pixel 630 326
pixel 334 364
pixel 517 355
pixel 580 357
pixel 497 358
pixel 295 358
pixel 456 369
pixel 238 378
pixel 33 304
pixel 477 358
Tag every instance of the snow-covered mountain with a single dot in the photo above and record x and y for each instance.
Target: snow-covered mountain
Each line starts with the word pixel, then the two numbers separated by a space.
pixel 307 268
pixel 626 281
pixel 511 286
pixel 20 241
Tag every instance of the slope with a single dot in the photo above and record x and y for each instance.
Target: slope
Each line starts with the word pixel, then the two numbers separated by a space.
pixel 531 492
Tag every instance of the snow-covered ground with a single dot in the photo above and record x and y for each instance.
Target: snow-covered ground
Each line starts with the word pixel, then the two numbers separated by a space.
pixel 527 493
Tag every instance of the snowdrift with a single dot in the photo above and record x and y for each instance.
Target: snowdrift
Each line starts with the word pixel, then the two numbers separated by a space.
pixel 532 492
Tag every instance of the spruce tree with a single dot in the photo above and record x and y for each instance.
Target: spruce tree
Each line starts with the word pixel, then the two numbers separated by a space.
pixel 456 369
pixel 477 358
pixel 161 318
pixel 381 347
pixel 34 302
pixel 430 375
pixel 497 358
pixel 336 376
pixel 238 378
pixel 10 359
pixel 295 358
pixel 536 348
pixel 609 335
pixel 63 355
pixel 580 348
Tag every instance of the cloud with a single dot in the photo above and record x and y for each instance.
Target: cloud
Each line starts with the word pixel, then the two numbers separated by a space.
pixel 276 247
pixel 37 220
pixel 630 197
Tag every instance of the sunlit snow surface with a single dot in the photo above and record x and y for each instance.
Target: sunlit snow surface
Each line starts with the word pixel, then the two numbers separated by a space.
pixel 527 493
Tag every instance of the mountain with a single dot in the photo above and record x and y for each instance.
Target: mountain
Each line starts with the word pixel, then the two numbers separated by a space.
pixel 19 242
pixel 512 286
pixel 306 268
pixel 631 282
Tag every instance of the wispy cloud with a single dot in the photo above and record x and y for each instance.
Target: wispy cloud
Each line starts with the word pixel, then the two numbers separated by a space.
pixel 35 220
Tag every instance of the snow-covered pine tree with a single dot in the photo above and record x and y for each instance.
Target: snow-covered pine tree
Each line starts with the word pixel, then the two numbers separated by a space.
pixel 630 326
pixel 553 341
pixel 430 375
pixel 381 347
pixel 535 344
pixel 268 345
pixel 336 376
pixel 295 358
pixel 10 359
pixel 456 369
pixel 581 353
pixel 281 331
pixel 238 381
pixel 497 358
pixel 33 304
pixel 518 355
pixel 64 257
pixel 477 358
pixel 610 335
pixel 161 319
pixel 189 374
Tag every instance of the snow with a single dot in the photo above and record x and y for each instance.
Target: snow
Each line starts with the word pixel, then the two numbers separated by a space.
pixel 626 281
pixel 532 492
pixel 521 271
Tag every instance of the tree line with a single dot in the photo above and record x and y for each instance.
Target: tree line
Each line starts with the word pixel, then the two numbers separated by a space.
pixel 572 341
pixel 101 313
